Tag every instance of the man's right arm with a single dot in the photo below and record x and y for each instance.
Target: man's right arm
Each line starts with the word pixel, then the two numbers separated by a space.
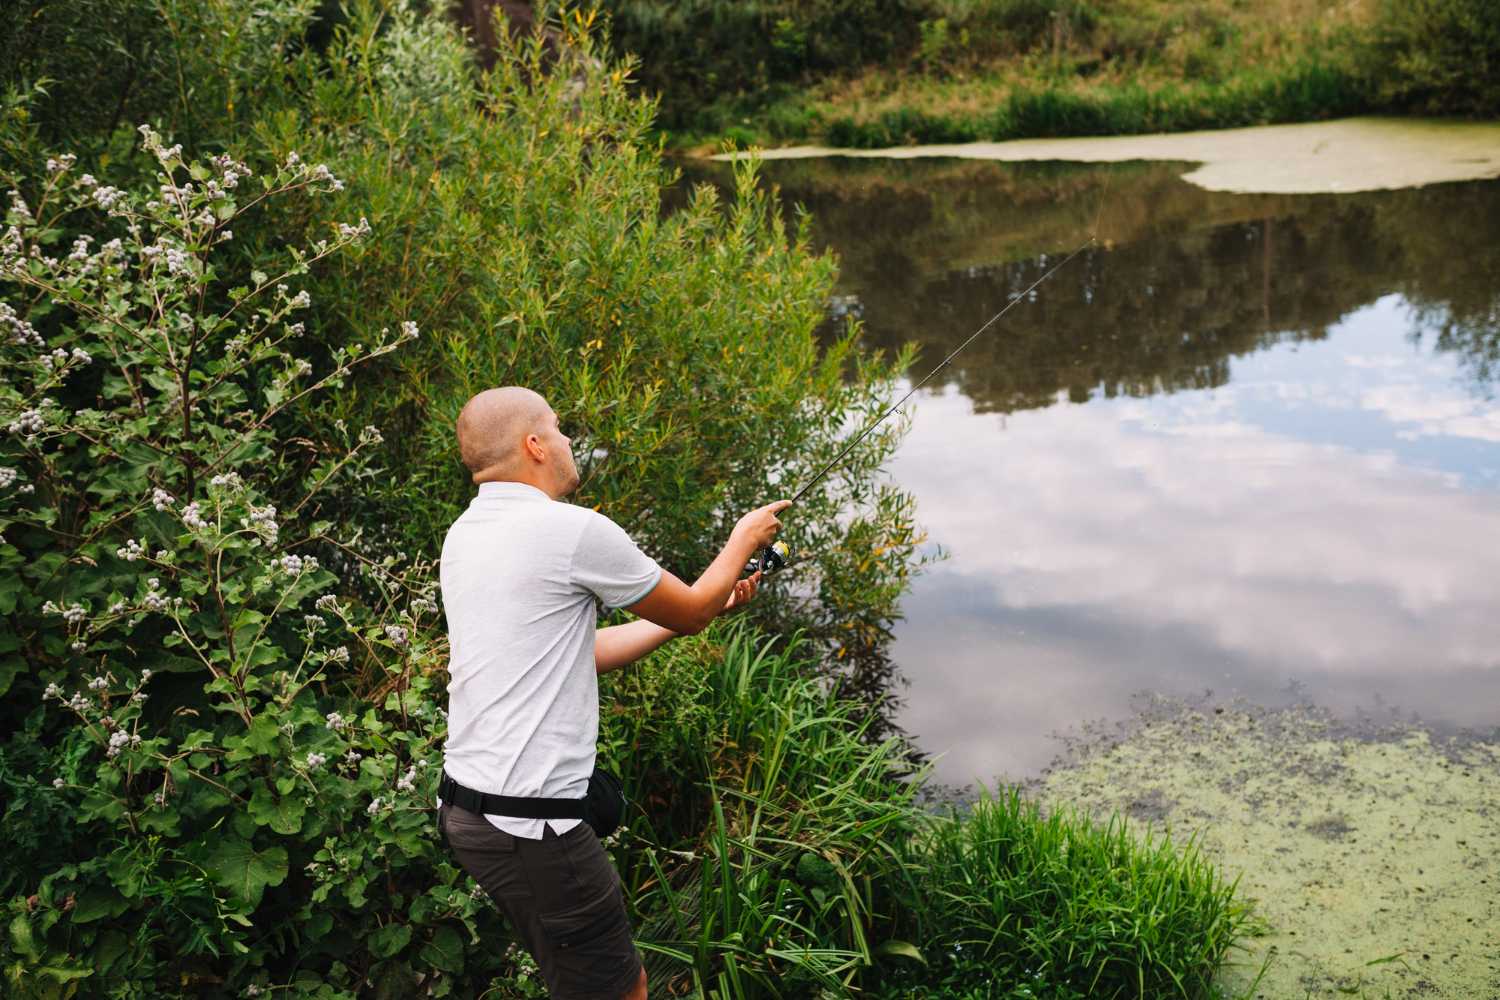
pixel 687 609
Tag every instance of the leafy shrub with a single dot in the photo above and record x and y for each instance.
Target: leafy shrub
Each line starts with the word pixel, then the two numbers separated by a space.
pixel 240 749
pixel 693 51
pixel 1439 57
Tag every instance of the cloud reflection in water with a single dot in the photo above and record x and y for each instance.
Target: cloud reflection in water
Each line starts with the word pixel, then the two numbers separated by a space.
pixel 1327 517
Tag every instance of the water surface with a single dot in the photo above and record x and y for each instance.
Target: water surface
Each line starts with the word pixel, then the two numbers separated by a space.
pixel 1246 443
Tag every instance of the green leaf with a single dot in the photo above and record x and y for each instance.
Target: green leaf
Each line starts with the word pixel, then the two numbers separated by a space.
pixel 282 814
pixel 11 587
pixel 445 951
pixel 389 940
pixel 99 902
pixel 904 949
pixel 246 869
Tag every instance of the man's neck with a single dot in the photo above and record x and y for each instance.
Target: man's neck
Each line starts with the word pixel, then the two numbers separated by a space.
pixel 538 482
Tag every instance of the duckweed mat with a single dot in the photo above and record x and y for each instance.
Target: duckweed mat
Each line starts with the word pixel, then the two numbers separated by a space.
pixel 1372 855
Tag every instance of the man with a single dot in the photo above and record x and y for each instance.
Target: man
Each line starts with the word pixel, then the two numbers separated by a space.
pixel 521 575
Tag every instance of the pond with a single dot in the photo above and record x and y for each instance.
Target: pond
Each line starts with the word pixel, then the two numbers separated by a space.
pixel 1244 444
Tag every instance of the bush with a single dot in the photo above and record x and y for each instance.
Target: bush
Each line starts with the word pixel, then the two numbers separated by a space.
pixel 1439 57
pixel 695 51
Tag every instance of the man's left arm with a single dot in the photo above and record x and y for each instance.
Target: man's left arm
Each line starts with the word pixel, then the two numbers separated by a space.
pixel 619 646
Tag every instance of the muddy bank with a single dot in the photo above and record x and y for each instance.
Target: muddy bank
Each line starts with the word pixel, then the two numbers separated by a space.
pixel 1351 154
pixel 1373 856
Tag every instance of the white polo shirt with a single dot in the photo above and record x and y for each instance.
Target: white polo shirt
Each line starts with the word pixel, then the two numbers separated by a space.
pixel 520 575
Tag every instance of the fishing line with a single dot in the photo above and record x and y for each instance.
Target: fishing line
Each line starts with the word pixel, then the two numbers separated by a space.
pixel 774 556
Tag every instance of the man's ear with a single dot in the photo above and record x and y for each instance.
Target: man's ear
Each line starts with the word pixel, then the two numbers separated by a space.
pixel 532 446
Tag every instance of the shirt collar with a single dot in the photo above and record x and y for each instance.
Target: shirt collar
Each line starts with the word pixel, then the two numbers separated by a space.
pixel 521 491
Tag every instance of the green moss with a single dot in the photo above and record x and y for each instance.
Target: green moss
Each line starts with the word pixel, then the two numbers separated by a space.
pixel 1374 860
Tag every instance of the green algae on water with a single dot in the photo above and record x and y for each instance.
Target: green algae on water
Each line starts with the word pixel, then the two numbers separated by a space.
pixel 1374 858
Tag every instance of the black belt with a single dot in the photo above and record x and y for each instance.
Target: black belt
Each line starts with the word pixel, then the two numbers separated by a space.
pixel 485 804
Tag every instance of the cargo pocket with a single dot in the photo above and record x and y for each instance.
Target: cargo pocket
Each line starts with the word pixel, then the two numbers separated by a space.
pixel 488 854
pixel 592 947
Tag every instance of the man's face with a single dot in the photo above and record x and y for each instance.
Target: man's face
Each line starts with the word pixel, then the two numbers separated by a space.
pixel 559 448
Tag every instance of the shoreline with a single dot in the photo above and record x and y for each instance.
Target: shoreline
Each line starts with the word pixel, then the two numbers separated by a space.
pixel 1339 157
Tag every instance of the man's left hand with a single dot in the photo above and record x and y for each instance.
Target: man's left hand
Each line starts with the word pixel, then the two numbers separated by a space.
pixel 743 592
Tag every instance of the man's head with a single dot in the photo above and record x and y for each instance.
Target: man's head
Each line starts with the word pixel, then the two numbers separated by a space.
pixel 511 435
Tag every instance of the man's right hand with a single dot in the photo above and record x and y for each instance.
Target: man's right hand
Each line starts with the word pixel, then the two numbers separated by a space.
pixel 674 605
pixel 759 527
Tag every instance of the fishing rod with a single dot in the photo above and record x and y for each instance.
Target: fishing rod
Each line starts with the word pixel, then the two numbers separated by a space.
pixel 774 556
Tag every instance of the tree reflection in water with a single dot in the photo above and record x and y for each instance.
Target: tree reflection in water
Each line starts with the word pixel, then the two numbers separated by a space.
pixel 1181 280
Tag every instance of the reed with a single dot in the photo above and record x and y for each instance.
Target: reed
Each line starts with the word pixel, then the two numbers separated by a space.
pixel 814 868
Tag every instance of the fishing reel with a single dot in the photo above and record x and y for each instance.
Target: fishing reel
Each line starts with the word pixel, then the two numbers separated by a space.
pixel 772 558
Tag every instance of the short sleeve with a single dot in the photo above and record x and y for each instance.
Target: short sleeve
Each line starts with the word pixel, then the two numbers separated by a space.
pixel 611 566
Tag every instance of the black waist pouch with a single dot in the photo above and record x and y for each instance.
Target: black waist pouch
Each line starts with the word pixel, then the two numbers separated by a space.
pixel 601 806
pixel 604 803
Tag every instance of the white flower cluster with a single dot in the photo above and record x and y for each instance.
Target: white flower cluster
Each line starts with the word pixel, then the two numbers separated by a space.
pixel 179 262
pixel 301 300
pixel 409 330
pixel 118 741
pixel 139 697
pixel 227 480
pixel 353 757
pixel 108 198
pixel 407 783
pixel 335 722
pixel 313 623
pixel 322 174
pixel 339 654
pixel 58 783
pixel 374 807
pixel 18 205
pixel 52 691
pixel 315 761
pixel 253 991
pixel 79 703
pixel 192 516
pixel 131 551
pixel 421 604
pixel 74 614
pixel 22 332
pixel 8 478
pixel 349 232
pixel 155 599
pixel 293 564
pixel 28 422
pixel 399 636
pixel 81 248
pixel 145 675
pixel 328 602
pixel 161 499
pixel 231 170
pixel 56 165
pixel 98 684
pixel 264 518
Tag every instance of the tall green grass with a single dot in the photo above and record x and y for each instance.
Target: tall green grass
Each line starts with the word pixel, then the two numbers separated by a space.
pixel 1018 900
pixel 814 870
pixel 1309 90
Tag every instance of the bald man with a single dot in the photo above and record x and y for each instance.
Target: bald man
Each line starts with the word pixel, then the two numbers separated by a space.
pixel 522 576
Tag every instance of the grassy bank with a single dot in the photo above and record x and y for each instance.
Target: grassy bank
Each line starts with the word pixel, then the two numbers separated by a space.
pixel 1008 69
pixel 780 851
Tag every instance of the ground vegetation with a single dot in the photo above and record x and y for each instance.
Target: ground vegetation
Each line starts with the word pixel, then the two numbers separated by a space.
pixel 964 70
pixel 250 270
